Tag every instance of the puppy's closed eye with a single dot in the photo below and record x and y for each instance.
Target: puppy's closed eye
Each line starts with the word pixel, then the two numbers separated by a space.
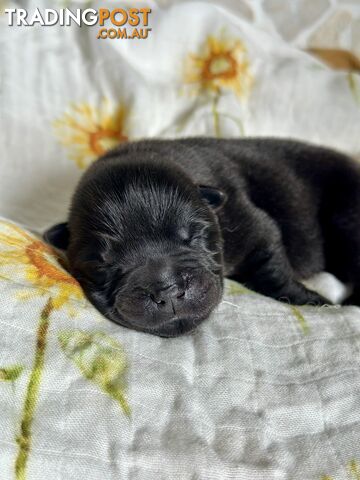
pixel 191 234
pixel 184 234
pixel 94 272
pixel 90 264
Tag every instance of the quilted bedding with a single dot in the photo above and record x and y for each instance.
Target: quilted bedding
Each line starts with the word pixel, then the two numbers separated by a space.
pixel 262 390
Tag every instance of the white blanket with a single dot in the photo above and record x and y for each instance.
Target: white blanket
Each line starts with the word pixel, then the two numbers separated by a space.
pixel 262 390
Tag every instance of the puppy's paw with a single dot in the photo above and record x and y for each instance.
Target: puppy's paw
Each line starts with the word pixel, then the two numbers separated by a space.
pixel 305 297
pixel 316 300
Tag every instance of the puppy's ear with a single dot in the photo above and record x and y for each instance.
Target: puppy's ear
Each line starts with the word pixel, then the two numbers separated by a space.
pixel 214 197
pixel 58 236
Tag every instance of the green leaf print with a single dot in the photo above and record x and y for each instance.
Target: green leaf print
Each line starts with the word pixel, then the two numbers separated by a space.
pixel 354 470
pixel 24 438
pixel 301 319
pixel 101 359
pixel 10 374
pixel 235 288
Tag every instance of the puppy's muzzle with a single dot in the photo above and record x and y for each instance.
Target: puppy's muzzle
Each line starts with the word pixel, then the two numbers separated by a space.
pixel 167 295
pixel 167 298
pixel 164 285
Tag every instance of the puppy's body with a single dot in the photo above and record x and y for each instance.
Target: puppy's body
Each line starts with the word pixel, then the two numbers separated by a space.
pixel 290 210
pixel 293 210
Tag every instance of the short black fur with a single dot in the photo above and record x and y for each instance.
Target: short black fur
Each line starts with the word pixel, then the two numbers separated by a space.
pixel 155 225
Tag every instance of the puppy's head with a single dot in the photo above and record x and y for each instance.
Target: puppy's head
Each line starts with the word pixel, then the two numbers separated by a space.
pixel 145 245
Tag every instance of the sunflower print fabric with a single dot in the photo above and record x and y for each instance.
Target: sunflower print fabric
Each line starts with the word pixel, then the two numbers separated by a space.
pixel 33 261
pixel 222 64
pixel 39 270
pixel 88 131
pixel 125 390
pixel 100 359
pixel 261 390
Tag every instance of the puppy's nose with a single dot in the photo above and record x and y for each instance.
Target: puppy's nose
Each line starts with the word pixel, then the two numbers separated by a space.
pixel 168 294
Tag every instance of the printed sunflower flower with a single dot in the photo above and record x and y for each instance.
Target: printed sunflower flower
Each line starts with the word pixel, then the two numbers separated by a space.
pixel 33 260
pixel 99 357
pixel 39 264
pixel 88 132
pixel 223 64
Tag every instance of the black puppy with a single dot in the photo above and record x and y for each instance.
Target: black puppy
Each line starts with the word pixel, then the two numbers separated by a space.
pixel 155 225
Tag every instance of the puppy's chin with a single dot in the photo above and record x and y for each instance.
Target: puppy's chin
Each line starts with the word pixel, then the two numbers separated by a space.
pixel 175 327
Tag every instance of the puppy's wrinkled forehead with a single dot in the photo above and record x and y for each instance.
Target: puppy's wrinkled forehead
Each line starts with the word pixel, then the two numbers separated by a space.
pixel 147 200
pixel 127 213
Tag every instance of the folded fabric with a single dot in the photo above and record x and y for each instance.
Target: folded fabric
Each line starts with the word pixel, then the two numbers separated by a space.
pixel 260 390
